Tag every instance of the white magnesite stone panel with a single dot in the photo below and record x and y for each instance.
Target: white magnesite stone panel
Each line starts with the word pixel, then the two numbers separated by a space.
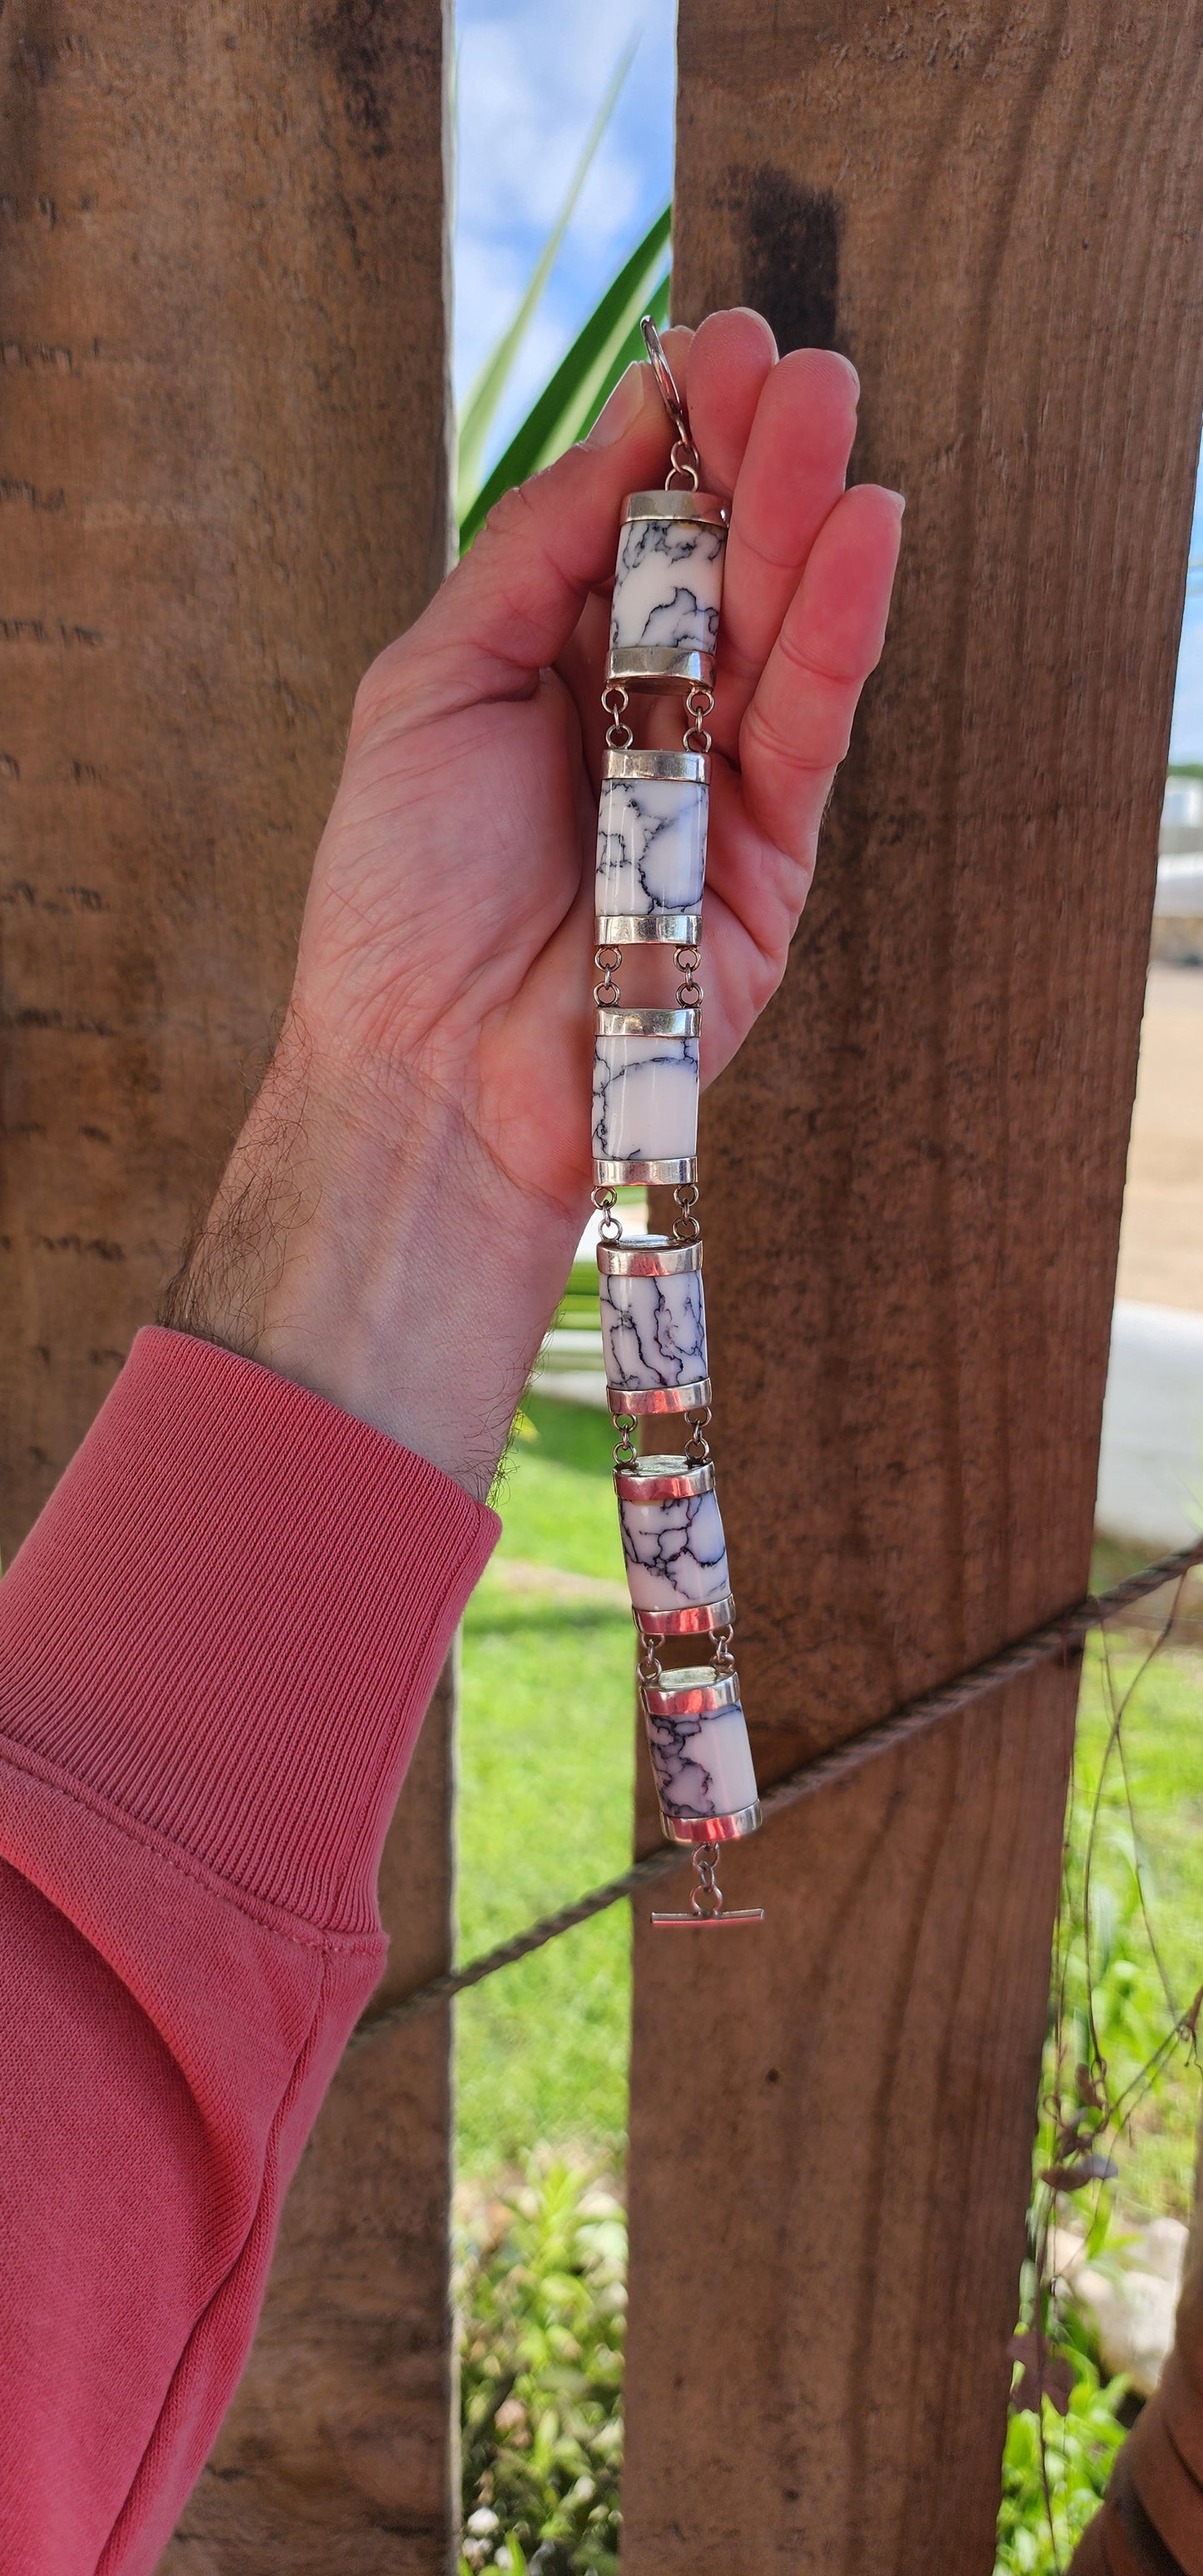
pixel 703 1765
pixel 645 1099
pixel 651 845
pixel 675 1551
pixel 668 586
pixel 654 1330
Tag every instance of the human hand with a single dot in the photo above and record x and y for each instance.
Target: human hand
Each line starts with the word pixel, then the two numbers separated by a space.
pixel 403 1205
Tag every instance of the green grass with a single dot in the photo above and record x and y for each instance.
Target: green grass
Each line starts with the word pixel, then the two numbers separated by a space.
pixel 1131 1959
pixel 1163 1747
pixel 555 1494
pixel 546 1772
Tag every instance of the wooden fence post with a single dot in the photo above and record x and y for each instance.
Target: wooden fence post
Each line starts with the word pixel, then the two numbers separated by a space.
pixel 912 1193
pixel 223 486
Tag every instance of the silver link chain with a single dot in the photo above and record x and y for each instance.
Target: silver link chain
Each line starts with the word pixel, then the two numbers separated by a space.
pixel 724 1660
pixel 625 1451
pixel 606 1203
pixel 615 700
pixel 606 960
pixel 697 1447
pixel 689 991
pixel 705 1864
pixel 698 705
pixel 687 1227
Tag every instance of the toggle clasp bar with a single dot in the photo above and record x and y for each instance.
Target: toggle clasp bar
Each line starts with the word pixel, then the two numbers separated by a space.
pixel 706 1909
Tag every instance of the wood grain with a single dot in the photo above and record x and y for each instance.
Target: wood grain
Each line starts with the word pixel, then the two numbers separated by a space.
pixel 912 1187
pixel 223 486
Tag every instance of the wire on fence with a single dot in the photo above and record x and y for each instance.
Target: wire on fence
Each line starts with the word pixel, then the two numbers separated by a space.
pixel 1064 1636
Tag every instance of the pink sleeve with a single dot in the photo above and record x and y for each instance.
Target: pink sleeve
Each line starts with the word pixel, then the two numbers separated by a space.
pixel 216 1648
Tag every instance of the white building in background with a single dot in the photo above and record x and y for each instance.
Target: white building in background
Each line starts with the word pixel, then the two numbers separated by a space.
pixel 1178 905
pixel 1151 1460
pixel 1181 817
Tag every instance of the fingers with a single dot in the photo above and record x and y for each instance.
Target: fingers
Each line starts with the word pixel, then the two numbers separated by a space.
pixel 724 371
pixel 510 606
pixel 514 601
pixel 796 728
pixel 791 477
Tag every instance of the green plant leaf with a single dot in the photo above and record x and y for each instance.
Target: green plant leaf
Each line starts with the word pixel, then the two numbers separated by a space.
pixel 602 349
pixel 481 405
pixel 540 2289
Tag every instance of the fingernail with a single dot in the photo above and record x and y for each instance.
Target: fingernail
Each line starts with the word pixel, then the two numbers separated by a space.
pixel 847 362
pixel 620 409
pixel 898 498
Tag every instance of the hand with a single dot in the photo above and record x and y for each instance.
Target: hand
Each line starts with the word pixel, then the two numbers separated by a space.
pixel 402 1208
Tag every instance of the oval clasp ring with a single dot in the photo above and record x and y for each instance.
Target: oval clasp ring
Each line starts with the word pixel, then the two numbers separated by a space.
pixel 665 379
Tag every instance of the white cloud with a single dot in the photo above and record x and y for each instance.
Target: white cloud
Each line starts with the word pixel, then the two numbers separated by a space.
pixel 531 75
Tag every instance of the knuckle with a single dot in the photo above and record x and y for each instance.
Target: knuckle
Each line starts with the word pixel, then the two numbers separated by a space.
pixel 799 751
pixel 510 515
pixel 388 684
pixel 820 671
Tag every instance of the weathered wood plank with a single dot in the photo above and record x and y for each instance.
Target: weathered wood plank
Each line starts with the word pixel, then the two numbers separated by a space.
pixel 912 1193
pixel 224 478
pixel 223 486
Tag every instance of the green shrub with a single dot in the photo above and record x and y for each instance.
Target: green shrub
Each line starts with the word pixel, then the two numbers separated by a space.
pixel 1078 2449
pixel 542 2297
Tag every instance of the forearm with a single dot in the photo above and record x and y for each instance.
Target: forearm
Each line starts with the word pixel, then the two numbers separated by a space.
pixel 365 1243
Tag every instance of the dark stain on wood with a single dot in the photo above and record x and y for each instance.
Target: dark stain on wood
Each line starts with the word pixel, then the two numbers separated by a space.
pixel 791 238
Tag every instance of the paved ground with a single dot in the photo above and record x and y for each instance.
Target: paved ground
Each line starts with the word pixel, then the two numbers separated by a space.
pixel 1161 1245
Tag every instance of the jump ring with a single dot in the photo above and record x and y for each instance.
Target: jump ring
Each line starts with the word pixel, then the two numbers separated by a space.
pixel 615 700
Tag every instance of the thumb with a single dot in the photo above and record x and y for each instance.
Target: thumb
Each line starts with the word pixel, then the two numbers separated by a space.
pixel 518 593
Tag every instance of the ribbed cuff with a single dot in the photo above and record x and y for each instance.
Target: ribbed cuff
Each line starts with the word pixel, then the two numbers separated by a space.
pixel 229 1619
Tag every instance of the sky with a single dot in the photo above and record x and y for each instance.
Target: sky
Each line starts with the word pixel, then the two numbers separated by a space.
pixel 530 76
pixel 1186 738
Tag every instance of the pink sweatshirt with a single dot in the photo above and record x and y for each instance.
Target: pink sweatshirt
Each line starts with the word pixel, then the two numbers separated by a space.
pixel 216 1648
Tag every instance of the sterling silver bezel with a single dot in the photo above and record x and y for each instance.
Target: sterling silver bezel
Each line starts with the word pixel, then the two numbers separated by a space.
pixel 694 1619
pixel 692 1691
pixel 654 667
pixel 635 929
pixel 691 768
pixel 644 1023
pixel 712 1829
pixel 659 1399
pixel 698 509
pixel 664 1479
pixel 665 1171
pixel 648 1256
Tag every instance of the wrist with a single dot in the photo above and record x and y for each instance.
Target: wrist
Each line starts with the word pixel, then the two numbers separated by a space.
pixel 372 1249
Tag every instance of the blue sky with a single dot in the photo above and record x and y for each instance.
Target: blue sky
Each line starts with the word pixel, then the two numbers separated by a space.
pixel 1186 739
pixel 530 76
